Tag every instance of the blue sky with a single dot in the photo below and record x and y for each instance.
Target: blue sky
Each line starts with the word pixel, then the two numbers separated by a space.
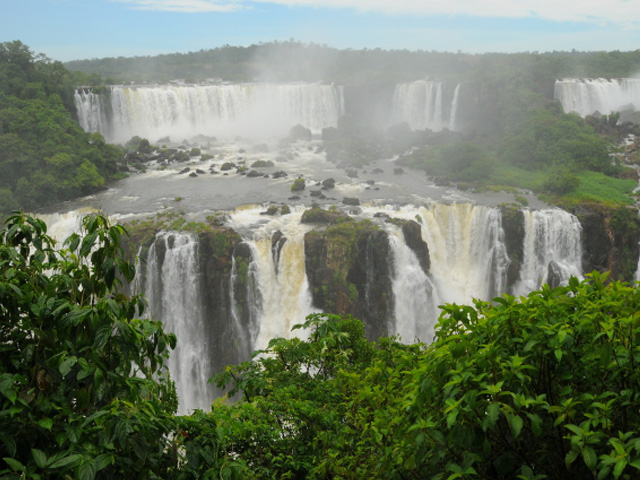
pixel 77 29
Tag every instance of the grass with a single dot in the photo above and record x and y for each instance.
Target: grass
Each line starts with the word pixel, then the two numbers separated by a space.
pixel 596 187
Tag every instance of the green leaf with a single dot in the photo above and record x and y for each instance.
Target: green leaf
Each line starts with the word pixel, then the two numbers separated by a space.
pixel 570 458
pixel 103 460
pixel 66 365
pixel 590 458
pixel 451 418
pixel 15 465
pixel 619 468
pixel 46 423
pixel 87 471
pixel 9 443
pixel 558 353
pixel 605 354
pixel 516 423
pixel 40 457
pixel 70 460
pixel 493 413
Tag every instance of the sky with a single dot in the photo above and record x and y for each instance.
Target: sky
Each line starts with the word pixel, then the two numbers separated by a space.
pixel 79 29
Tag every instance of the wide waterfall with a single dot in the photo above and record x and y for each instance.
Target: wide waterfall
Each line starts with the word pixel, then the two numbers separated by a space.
pixel 222 111
pixel 586 96
pixel 468 258
pixel 425 104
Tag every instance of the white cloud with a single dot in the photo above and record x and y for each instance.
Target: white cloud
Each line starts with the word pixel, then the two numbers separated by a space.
pixel 626 12
pixel 187 6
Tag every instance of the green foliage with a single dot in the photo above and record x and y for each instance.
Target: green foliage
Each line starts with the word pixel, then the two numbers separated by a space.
pixel 84 390
pixel 541 387
pixel 458 161
pixel 45 156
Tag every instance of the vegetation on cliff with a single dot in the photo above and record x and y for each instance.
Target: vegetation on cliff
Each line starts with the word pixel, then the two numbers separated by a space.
pixel 45 156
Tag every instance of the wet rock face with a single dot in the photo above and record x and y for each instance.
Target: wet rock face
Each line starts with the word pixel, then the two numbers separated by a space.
pixel 610 240
pixel 217 249
pixel 413 237
pixel 349 273
pixel 513 227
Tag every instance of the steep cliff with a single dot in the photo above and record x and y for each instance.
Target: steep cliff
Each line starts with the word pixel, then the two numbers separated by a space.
pixel 610 239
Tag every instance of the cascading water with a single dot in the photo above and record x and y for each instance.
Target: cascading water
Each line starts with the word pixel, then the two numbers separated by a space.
pixel 468 255
pixel 551 243
pixel 422 106
pixel 91 111
pixel 415 299
pixel 172 288
pixel 281 297
pixel 586 96
pixel 254 110
pixel 453 116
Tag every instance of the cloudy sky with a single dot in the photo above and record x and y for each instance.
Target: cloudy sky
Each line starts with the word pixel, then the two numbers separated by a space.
pixel 77 29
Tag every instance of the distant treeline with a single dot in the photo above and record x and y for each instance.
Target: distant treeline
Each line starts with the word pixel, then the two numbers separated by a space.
pixel 294 61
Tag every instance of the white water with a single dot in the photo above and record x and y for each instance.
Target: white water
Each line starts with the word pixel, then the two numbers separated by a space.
pixel 550 235
pixel 415 298
pixel 453 116
pixel 586 96
pixel 222 111
pixel 173 291
pixel 467 254
pixel 282 296
pixel 422 106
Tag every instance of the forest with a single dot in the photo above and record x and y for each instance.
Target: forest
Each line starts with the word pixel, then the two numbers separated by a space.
pixel 45 157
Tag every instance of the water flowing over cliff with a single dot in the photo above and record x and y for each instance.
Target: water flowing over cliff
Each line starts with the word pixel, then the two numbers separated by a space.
pixel 259 110
pixel 226 292
pixel 586 96
pixel 425 104
pixel 171 284
pixel 552 249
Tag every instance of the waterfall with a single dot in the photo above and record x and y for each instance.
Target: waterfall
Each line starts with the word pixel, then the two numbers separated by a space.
pixel 280 292
pixel 172 288
pixel 415 299
pixel 453 116
pixel 91 111
pixel 551 242
pixel 259 110
pixel 468 254
pixel 586 96
pixel 422 106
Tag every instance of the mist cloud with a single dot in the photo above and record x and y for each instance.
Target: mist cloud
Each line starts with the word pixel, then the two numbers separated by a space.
pixel 622 12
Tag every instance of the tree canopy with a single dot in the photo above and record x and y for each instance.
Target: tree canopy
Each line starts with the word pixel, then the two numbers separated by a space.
pixel 45 156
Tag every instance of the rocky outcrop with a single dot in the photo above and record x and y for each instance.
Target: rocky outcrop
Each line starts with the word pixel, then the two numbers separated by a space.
pixel 349 273
pixel 610 240
pixel 412 232
pixel 513 227
pixel 219 249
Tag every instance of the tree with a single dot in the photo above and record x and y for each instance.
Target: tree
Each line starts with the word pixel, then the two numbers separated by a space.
pixel 84 390
pixel 542 387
